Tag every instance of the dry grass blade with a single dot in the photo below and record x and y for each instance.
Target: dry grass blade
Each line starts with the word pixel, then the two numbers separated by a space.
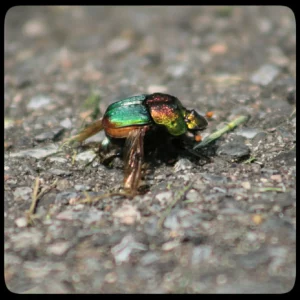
pixel 217 134
pixel 30 213
pixel 177 198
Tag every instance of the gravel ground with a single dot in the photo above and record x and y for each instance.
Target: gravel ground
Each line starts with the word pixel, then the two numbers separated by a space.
pixel 222 226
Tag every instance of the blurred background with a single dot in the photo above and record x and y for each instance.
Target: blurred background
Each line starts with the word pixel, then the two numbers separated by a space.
pixel 208 55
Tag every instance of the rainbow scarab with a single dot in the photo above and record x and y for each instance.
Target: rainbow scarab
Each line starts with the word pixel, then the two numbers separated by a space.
pixel 131 119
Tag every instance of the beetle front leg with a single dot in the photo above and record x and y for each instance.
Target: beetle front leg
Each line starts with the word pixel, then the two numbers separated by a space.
pixel 188 144
pixel 133 158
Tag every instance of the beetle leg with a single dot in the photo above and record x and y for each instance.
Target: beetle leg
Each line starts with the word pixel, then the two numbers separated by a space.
pixel 107 151
pixel 133 158
pixel 87 132
pixel 187 143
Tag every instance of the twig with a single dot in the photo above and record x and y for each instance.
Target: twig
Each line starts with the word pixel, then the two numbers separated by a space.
pixel 177 198
pixel 34 196
pixel 250 160
pixel 271 189
pixel 30 216
pixel 217 134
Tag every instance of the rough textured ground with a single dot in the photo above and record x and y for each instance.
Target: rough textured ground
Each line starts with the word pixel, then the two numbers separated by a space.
pixel 225 226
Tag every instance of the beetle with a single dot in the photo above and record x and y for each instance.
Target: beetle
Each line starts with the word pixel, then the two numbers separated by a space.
pixel 131 119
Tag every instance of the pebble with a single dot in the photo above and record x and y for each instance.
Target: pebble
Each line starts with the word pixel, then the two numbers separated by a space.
pixel 111 277
pixel 278 252
pixel 63 184
pixel 233 150
pixel 182 164
pixel 68 215
pixel 38 102
pixel 193 195
pixel 149 258
pixel 150 226
pixel 26 239
pixel 10 259
pixel 157 89
pixel 254 259
pixel 246 185
pixel 91 216
pixel 51 286
pixel 23 193
pixel 88 217
pixel 8 123
pixel 277 57
pixel 122 251
pixel 218 48
pixel 81 187
pixel 49 135
pixel 58 248
pixel 21 222
pixel 66 123
pixel 177 71
pixel 279 256
pixel 34 28
pixel 269 171
pixel 248 133
pixel 276 178
pixel 64 197
pixel 172 222
pixel 259 138
pixel 59 172
pixel 286 158
pixel 188 219
pixel 86 156
pixel 118 45
pixel 58 159
pixel 36 269
pixel 265 74
pixel 37 153
pixel 160 177
pixel 214 178
pixel 164 196
pixel 127 214
pixel 221 279
pixel 170 245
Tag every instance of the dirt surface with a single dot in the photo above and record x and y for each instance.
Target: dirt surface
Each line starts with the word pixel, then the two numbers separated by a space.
pixel 220 226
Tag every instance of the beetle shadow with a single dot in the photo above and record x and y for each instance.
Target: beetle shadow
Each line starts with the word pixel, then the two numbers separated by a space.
pixel 162 148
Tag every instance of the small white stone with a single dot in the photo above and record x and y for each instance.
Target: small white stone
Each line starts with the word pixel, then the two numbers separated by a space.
pixel 127 214
pixel 164 196
pixel 86 156
pixel 22 193
pixel 21 222
pixel 59 248
pixel 66 123
pixel 157 89
pixel 170 245
pixel 246 185
pixel 38 102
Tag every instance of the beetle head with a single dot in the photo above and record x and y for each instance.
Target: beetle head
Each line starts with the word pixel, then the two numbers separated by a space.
pixel 194 121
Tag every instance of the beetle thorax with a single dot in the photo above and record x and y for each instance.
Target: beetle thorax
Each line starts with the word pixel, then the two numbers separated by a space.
pixel 167 111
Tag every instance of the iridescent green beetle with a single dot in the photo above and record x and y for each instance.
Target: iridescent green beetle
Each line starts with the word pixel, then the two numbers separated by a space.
pixel 132 118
